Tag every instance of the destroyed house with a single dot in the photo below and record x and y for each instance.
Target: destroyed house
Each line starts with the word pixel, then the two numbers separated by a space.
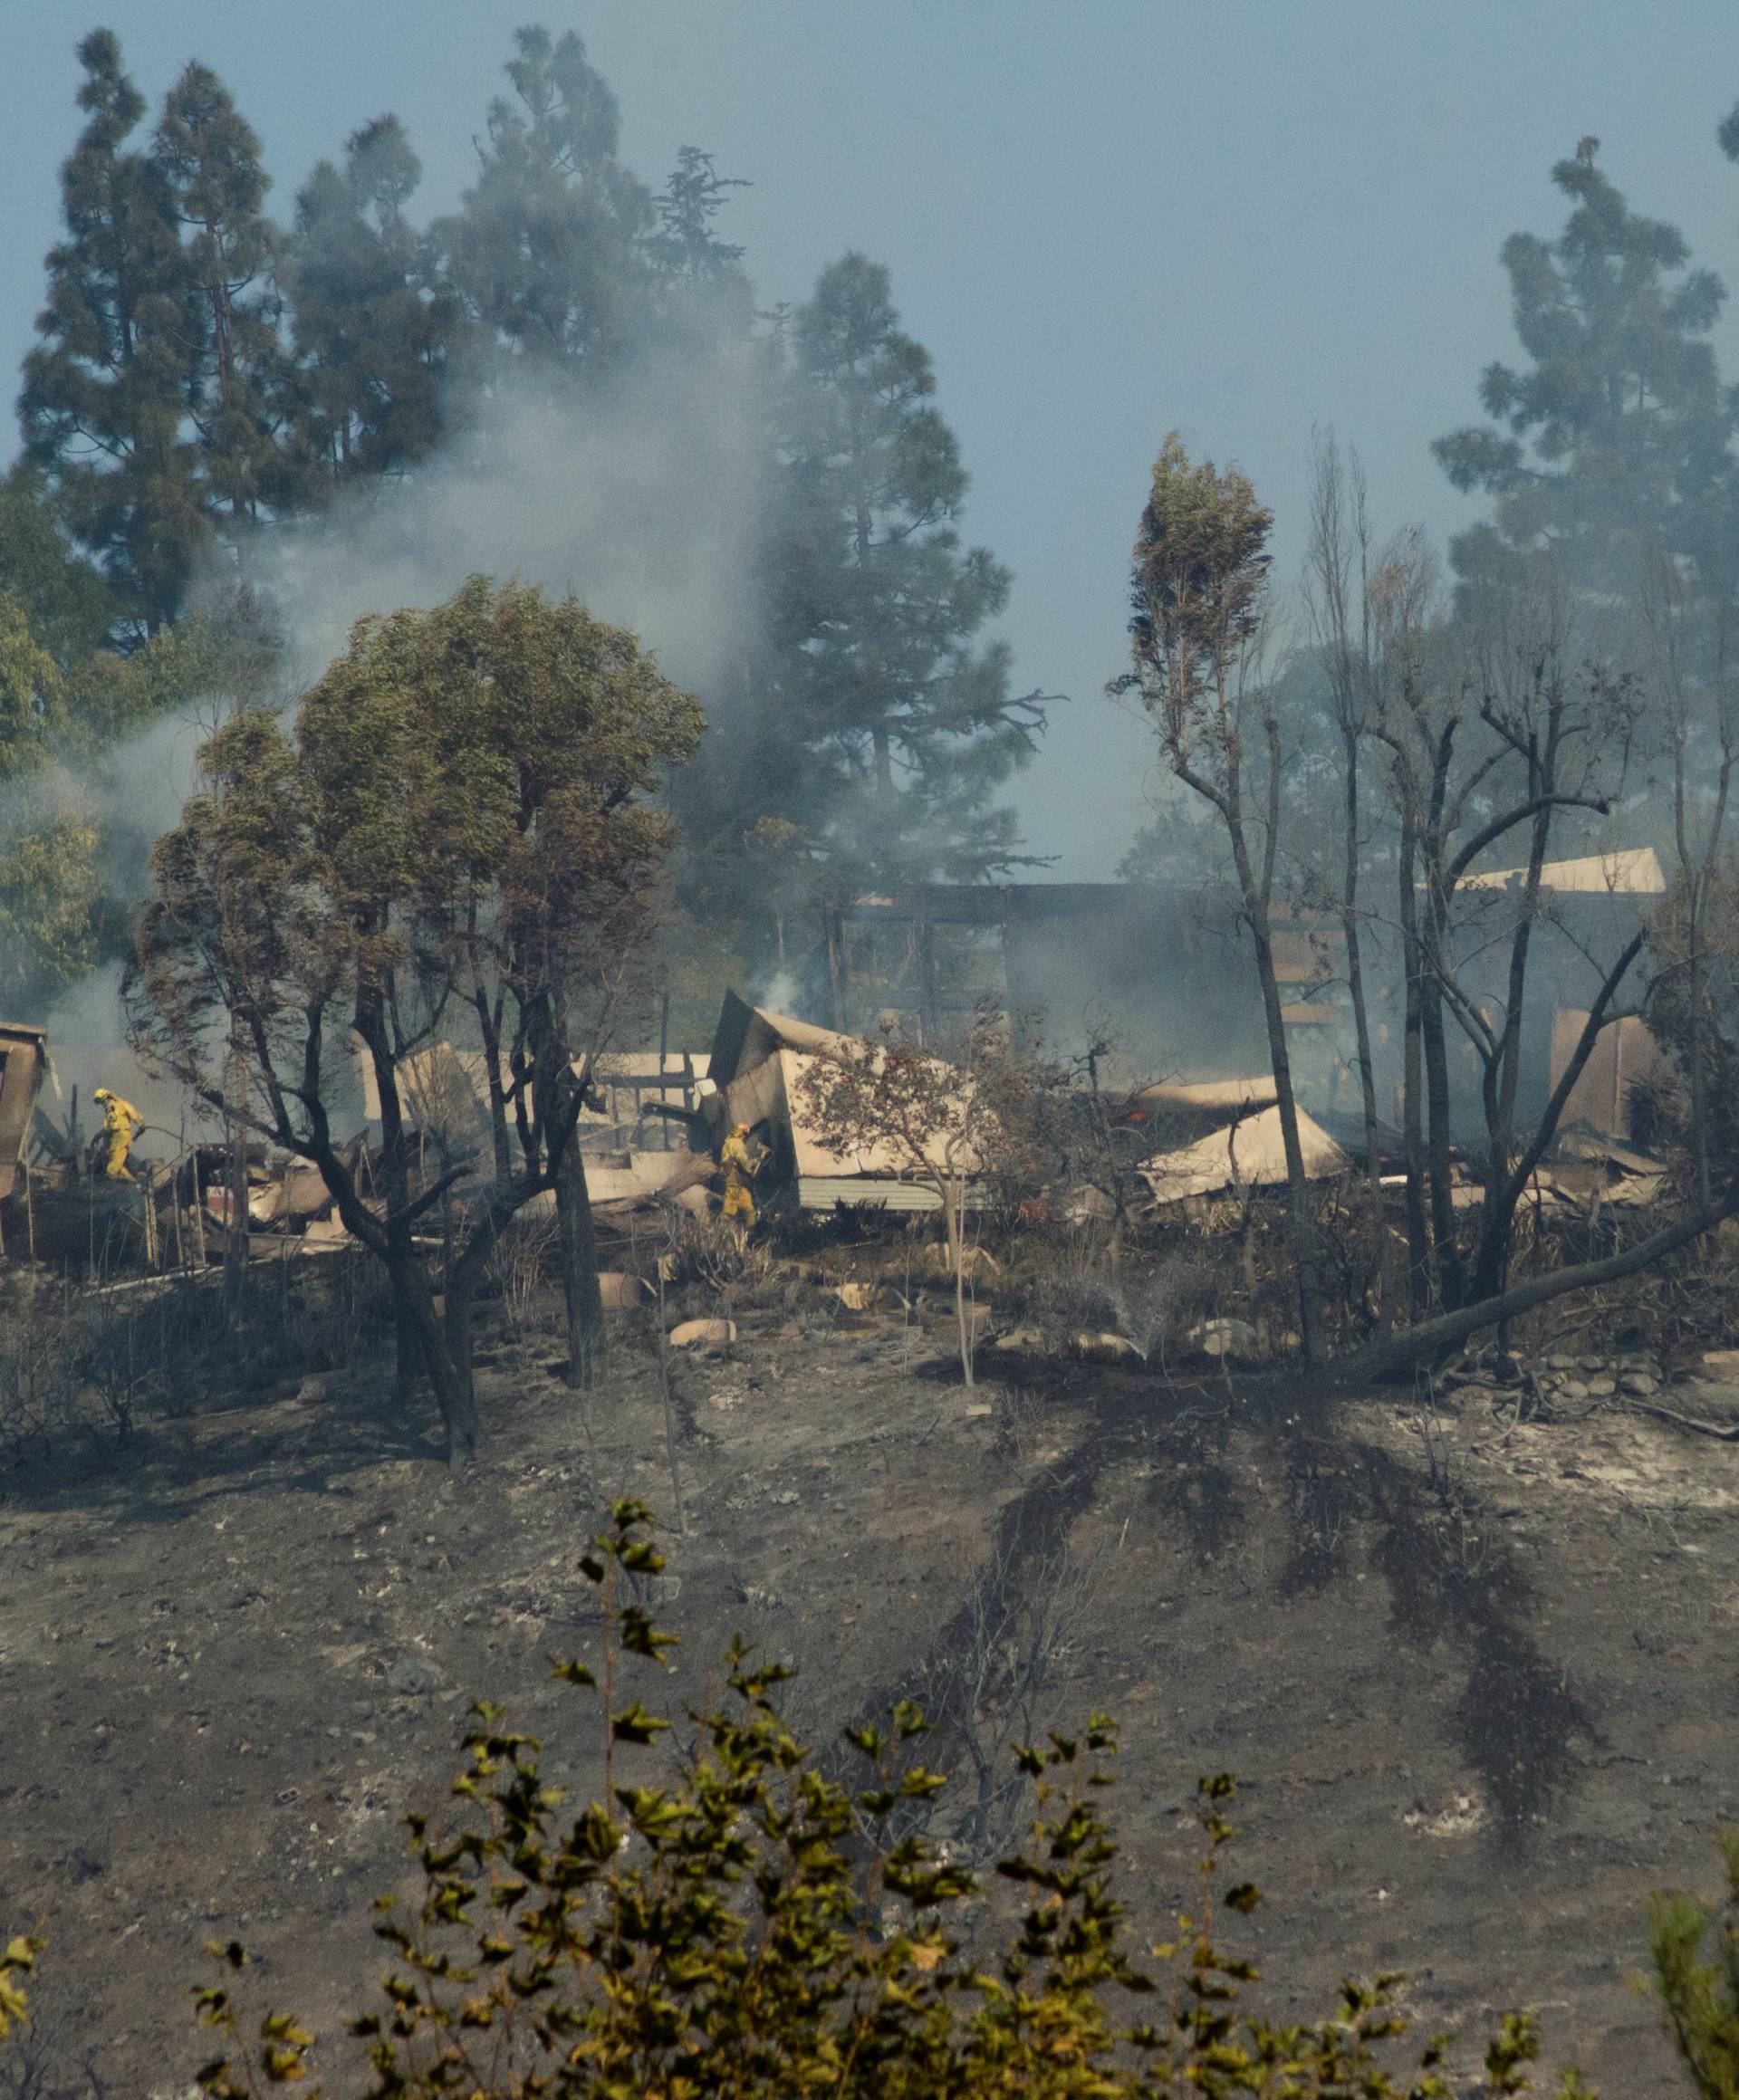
pixel 758 1064
pixel 24 1056
pixel 1166 974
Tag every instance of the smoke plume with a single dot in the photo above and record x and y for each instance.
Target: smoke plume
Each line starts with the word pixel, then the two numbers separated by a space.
pixel 640 497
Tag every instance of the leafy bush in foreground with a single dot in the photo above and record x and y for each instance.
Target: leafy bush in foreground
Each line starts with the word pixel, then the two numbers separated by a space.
pixel 758 1929
pixel 1701 1997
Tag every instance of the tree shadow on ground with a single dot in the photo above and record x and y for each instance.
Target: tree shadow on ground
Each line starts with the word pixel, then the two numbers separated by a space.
pixel 170 1466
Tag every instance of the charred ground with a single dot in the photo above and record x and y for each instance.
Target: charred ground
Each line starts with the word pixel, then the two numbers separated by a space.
pixel 1474 1664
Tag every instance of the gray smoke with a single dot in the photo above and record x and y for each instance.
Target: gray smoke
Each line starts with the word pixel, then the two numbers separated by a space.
pixel 641 498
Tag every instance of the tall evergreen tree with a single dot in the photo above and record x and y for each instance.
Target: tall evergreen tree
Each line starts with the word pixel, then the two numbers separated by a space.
pixel 905 726
pixel 1604 450
pixel 547 254
pixel 238 398
pixel 105 390
pixel 698 279
pixel 684 246
pixel 370 337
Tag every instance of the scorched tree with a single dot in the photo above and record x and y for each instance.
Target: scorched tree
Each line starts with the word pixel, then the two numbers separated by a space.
pixel 455 842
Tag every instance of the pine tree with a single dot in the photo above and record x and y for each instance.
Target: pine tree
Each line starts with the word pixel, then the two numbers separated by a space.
pixel 547 254
pixel 905 728
pixel 370 337
pixel 239 397
pixel 685 245
pixel 1604 451
pixel 105 390
pixel 699 278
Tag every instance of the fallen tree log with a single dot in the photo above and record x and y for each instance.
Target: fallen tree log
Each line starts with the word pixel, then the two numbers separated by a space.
pixel 1434 1339
pixel 1724 1432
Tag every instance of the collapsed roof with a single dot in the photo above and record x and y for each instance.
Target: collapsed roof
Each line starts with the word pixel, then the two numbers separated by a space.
pixel 23 1057
pixel 760 1061
pixel 1211 1096
pixel 1248 1154
pixel 1635 871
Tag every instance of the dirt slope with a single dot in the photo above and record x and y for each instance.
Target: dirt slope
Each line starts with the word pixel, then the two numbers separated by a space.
pixel 1481 1684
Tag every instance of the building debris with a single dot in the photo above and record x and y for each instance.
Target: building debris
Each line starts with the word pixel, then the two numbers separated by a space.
pixel 1213 1096
pixel 1631 871
pixel 1624 1054
pixel 1249 1153
pixel 23 1059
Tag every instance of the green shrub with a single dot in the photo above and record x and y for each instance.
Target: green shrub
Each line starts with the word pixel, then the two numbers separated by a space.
pixel 1699 1992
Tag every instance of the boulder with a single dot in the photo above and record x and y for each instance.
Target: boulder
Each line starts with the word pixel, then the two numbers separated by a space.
pixel 703 1334
pixel 619 1290
pixel 1106 1348
pixel 410 1677
pixel 1226 1337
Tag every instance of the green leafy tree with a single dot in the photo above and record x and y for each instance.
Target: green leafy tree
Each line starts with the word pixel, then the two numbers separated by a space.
pixel 49 880
pixel 1611 442
pixel 460 827
pixel 371 336
pixel 65 851
pixel 897 725
pixel 105 390
pixel 547 255
pixel 72 610
pixel 1693 1948
pixel 52 891
pixel 32 693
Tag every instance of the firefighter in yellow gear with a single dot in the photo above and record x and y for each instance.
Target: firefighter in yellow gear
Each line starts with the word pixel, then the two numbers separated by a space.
pixel 122 1123
pixel 739 1170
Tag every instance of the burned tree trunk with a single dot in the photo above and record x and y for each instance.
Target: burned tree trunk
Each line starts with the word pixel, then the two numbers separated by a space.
pixel 1433 1339
pixel 582 1296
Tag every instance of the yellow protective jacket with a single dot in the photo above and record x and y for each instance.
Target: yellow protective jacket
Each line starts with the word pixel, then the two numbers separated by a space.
pixel 119 1115
pixel 734 1158
pixel 121 1120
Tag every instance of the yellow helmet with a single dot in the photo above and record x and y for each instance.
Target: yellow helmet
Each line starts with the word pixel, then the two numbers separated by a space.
pixel 102 1094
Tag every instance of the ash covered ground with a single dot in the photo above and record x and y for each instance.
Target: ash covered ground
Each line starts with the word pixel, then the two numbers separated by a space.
pixel 1476 1673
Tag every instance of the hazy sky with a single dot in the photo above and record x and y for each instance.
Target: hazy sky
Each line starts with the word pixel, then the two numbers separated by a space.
pixel 1104 218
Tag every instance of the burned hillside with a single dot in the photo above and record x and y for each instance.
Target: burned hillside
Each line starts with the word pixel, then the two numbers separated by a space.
pixel 245 1634
pixel 868 1220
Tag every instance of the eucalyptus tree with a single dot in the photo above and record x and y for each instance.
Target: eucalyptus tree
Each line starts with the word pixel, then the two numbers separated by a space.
pixel 459 825
pixel 1198 597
